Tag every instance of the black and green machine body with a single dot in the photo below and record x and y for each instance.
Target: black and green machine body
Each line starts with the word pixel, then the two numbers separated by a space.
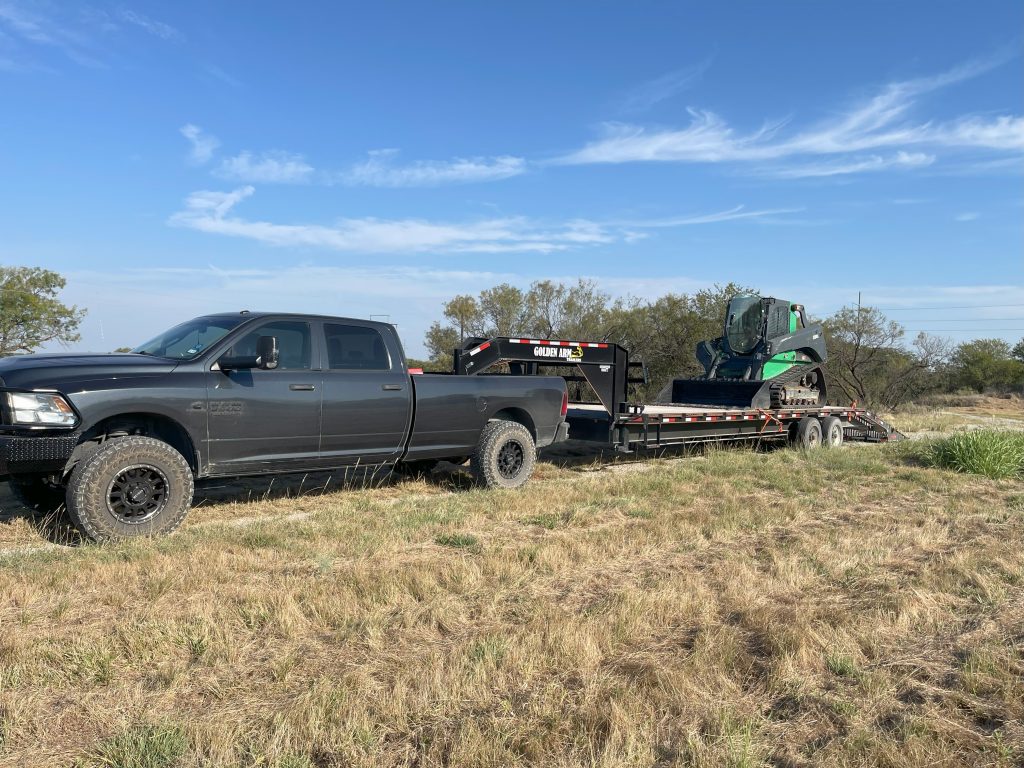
pixel 768 356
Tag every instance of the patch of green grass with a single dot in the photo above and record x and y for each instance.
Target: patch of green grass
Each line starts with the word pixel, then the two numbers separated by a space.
pixel 459 541
pixel 547 520
pixel 144 746
pixel 998 455
pixel 842 666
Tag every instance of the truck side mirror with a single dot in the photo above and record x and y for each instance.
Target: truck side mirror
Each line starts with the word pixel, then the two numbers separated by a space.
pixel 266 352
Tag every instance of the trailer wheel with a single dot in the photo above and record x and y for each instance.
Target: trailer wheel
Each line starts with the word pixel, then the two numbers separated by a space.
pixel 832 431
pixel 131 486
pixel 36 494
pixel 808 432
pixel 505 455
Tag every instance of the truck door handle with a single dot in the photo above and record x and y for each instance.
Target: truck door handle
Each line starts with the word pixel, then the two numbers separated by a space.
pixel 391 387
pixel 301 387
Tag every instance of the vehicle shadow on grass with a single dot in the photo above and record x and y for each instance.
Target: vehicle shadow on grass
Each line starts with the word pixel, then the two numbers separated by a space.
pixel 55 526
pixel 50 522
pixel 277 487
pixel 583 456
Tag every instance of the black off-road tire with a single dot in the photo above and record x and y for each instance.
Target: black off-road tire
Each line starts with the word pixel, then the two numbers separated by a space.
pixel 808 433
pixel 35 493
pixel 505 456
pixel 831 432
pixel 135 462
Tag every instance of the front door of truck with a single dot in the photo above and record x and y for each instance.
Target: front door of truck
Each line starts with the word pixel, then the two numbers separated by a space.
pixel 367 402
pixel 267 419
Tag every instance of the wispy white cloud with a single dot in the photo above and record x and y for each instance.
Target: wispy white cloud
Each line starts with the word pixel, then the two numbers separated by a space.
pixel 967 216
pixel 203 144
pixel 33 28
pixel 646 95
pixel 733 214
pixel 879 122
pixel 856 165
pixel 210 211
pixel 219 74
pixel 152 26
pixel 379 170
pixel 273 167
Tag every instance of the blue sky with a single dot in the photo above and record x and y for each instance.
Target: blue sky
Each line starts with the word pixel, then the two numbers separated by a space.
pixel 179 158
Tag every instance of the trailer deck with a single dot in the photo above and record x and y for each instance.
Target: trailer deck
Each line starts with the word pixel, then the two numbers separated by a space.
pixel 627 426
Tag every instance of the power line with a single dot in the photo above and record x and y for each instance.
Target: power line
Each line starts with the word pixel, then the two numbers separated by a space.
pixel 971 306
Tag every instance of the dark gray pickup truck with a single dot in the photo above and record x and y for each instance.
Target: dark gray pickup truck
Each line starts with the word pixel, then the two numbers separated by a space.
pixel 121 437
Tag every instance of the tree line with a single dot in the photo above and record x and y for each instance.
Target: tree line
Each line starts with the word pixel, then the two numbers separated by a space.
pixel 871 360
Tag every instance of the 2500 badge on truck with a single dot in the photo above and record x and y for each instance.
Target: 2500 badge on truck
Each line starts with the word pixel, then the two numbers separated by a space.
pixel 122 437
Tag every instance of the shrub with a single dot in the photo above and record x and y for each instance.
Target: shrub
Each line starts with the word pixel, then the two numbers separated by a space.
pixel 982 452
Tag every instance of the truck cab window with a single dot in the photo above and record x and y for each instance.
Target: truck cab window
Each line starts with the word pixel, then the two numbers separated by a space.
pixel 356 347
pixel 293 344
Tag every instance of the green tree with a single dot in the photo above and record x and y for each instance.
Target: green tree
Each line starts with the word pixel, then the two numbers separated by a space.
pixel 30 312
pixel 664 333
pixel 1018 351
pixel 869 363
pixel 987 364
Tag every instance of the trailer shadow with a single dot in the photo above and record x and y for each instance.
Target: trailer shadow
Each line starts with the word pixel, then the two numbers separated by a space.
pixel 584 456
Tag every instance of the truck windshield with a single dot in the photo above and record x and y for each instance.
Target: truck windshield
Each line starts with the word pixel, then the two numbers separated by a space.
pixel 743 324
pixel 189 340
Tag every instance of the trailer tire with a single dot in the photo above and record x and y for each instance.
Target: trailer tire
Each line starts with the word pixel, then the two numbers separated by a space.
pixel 808 433
pixel 131 486
pixel 832 432
pixel 35 493
pixel 505 456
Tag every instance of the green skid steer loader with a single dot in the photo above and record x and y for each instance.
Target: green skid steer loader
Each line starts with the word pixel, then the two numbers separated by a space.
pixel 767 357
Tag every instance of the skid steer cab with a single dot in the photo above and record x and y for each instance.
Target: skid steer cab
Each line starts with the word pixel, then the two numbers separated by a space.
pixel 768 356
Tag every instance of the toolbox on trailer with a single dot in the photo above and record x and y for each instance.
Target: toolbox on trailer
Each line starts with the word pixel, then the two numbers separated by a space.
pixel 613 419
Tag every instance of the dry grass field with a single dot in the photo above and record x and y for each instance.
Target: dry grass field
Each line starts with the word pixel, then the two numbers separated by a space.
pixel 850 607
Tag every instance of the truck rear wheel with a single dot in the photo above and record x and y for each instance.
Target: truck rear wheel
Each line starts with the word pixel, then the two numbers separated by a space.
pixel 832 431
pixel 808 432
pixel 131 486
pixel 505 455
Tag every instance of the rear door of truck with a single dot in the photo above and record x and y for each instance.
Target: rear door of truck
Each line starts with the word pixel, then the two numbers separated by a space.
pixel 367 395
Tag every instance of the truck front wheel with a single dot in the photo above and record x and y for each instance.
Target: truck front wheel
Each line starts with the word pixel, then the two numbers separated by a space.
pixel 131 486
pixel 505 455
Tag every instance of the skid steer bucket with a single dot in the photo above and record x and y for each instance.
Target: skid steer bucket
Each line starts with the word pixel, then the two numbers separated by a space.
pixel 728 393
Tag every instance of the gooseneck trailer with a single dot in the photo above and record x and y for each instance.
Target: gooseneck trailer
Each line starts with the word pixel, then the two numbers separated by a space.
pixel 613 419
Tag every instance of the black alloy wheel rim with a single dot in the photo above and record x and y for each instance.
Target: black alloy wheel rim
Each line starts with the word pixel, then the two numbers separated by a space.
pixel 137 494
pixel 511 458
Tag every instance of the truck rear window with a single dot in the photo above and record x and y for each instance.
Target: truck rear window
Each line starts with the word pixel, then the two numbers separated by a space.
pixel 356 347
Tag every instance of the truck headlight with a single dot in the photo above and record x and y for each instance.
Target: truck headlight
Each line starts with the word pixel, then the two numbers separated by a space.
pixel 42 409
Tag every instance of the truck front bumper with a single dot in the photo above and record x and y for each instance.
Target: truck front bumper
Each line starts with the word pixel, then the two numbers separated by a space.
pixel 27 454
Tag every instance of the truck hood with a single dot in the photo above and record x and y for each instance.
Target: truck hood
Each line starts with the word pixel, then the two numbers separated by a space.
pixel 53 371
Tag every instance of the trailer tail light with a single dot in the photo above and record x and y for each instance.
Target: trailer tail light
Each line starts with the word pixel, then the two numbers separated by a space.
pixel 565 403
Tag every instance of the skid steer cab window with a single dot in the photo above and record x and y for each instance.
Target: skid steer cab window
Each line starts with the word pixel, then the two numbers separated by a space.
pixel 744 323
pixel 293 344
pixel 188 340
pixel 356 348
